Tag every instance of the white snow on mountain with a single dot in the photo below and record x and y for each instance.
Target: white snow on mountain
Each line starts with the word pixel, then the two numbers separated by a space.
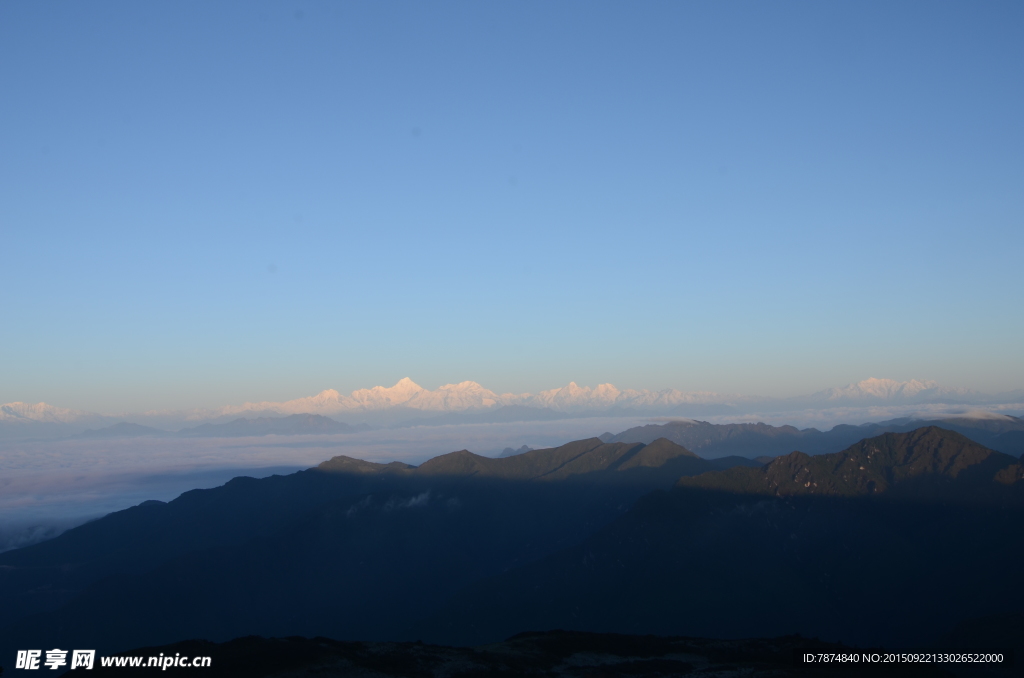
pixel 469 395
pixel 408 397
pixel 890 390
pixel 40 413
pixel 573 397
pixel 406 393
pixel 330 401
pixel 379 397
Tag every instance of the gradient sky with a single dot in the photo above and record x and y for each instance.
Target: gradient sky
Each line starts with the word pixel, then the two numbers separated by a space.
pixel 210 202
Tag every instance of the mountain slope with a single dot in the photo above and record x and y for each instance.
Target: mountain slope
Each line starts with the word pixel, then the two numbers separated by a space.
pixel 467 549
pixel 386 543
pixel 658 464
pixel 575 458
pixel 723 555
pixel 928 459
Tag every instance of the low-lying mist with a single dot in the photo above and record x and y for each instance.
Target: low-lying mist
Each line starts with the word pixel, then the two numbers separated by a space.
pixel 47 487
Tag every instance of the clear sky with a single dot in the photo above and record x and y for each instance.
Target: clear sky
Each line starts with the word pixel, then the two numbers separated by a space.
pixel 210 202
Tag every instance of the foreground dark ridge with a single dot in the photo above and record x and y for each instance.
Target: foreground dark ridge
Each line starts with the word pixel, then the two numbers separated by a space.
pixel 895 540
pixel 280 556
pixel 554 654
pixel 468 550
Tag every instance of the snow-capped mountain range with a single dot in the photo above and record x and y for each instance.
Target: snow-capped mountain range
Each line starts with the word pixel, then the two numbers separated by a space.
pixel 407 401
pixel 891 390
pixel 40 413
pixel 469 395
pixel 575 399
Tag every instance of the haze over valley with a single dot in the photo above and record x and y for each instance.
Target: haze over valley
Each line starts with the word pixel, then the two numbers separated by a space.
pixel 57 472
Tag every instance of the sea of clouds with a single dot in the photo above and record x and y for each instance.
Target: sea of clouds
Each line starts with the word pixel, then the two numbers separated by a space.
pixel 48 486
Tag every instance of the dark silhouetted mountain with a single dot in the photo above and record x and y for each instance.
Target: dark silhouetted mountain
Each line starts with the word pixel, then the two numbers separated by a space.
pixel 554 654
pixel 294 424
pixel 928 460
pixel 590 461
pixel 510 452
pixel 343 464
pixel 384 543
pixel 754 552
pixel 748 440
pixel 122 430
pixel 589 536
pixel 1001 433
pixel 580 457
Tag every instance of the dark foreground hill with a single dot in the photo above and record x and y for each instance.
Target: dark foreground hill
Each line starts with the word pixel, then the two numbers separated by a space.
pixel 554 654
pixel 894 541
pixel 1002 433
pixel 350 549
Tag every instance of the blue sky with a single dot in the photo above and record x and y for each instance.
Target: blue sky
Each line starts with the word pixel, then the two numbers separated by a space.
pixel 203 203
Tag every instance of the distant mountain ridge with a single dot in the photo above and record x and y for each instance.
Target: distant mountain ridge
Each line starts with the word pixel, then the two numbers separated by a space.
pixel 998 432
pixel 40 413
pixel 469 402
pixel 469 395
pixel 511 452
pixel 888 389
